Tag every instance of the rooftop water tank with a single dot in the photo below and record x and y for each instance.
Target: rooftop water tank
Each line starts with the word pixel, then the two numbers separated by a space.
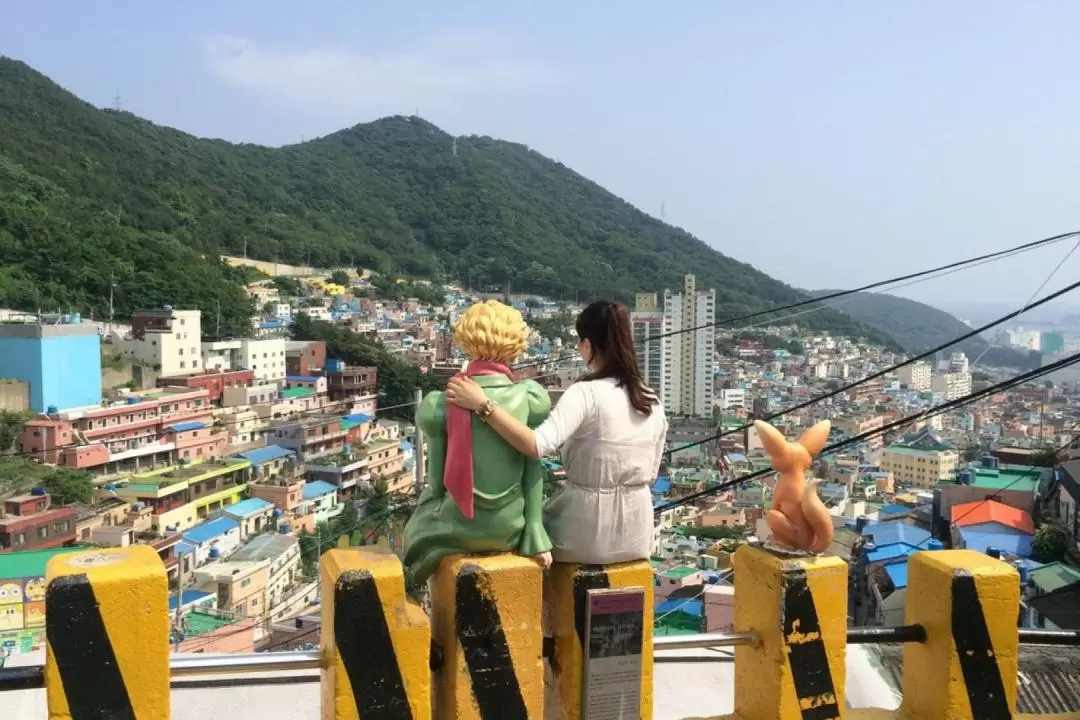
pixel 284 528
pixel 1022 569
pixel 869 547
pixel 861 522
pixel 51 410
pixel 964 477
pixel 935 545
pixel 989 462
pixel 131 400
pixel 214 553
pixel 993 552
pixel 38 491
pixel 277 513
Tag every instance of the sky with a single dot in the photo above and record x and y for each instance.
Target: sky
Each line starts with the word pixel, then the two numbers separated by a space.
pixel 828 143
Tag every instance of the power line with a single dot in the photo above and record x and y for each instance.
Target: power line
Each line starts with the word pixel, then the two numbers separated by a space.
pixel 892 368
pixel 960 264
pixel 862 437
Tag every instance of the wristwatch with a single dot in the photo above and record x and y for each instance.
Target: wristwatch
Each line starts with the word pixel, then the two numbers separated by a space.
pixel 486 409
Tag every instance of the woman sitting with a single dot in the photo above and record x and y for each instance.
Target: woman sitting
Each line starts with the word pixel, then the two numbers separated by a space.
pixel 609 429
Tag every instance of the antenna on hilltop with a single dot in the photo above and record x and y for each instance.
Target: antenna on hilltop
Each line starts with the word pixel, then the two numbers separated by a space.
pixel 663 210
pixel 453 148
pixel 117 105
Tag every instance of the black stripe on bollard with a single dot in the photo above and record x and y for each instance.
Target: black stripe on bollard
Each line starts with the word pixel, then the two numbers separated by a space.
pixel 806 651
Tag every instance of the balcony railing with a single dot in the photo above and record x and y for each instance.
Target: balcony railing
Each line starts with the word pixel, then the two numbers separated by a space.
pixel 380 651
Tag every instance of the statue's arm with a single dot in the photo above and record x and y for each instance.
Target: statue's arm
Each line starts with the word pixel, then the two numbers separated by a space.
pixel 534 538
pixel 431 422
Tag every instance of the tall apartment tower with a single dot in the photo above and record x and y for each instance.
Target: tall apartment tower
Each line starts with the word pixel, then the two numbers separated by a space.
pixel 688 356
pixel 649 323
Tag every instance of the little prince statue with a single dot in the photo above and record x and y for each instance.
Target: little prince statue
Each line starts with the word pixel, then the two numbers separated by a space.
pixel 481 496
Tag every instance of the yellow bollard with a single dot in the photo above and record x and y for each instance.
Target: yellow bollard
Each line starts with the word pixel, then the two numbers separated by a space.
pixel 486 618
pixel 966 670
pixel 569 592
pixel 375 640
pixel 798 609
pixel 107 635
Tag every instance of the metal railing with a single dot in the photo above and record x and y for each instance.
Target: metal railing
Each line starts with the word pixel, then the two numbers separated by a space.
pixel 188 665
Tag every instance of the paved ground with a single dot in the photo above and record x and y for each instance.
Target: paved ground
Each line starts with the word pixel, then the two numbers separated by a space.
pixel 688 683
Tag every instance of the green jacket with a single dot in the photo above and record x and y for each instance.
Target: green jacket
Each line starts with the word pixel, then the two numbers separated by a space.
pixel 507 486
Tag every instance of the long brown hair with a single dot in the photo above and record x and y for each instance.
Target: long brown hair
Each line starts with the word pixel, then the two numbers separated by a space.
pixel 606 325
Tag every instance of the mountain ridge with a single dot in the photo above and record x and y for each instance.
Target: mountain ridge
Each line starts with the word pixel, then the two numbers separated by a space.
pixel 116 195
pixel 919 326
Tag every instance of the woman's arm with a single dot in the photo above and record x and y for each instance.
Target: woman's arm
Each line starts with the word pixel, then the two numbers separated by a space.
pixel 566 418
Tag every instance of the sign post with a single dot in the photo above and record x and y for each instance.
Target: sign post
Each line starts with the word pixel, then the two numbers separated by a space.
pixel 614 632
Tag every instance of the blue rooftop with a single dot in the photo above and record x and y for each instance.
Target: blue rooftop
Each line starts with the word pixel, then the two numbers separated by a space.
pixel 207 531
pixel 258 456
pixel 690 607
pixel 897 573
pixel 189 597
pixel 301 378
pixel 1007 542
pixel 405 445
pixel 661 486
pixel 736 457
pixel 270 325
pixel 318 489
pixel 891 551
pixel 358 417
pixel 894 510
pixel 184 548
pixel 248 507
pixel 184 427
pixel 887 533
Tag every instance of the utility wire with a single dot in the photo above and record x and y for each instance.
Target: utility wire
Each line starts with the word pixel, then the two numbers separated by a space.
pixel 892 368
pixel 960 264
pixel 1034 294
pixel 862 437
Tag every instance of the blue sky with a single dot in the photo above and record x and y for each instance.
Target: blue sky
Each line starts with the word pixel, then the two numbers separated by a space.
pixel 827 143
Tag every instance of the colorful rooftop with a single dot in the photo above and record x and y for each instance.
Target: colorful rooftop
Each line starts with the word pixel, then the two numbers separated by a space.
pixel 991 511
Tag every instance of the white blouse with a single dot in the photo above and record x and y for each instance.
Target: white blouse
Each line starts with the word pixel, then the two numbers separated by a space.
pixel 611 454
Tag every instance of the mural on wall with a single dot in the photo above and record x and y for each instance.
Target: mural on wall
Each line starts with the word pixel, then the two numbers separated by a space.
pixel 22 603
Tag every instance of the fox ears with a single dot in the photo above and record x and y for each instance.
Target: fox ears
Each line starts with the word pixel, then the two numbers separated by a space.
pixel 775 444
pixel 815 437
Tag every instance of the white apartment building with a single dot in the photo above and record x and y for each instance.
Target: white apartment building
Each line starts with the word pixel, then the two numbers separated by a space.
pixel 689 356
pixel 265 357
pixel 648 323
pixel 958 363
pixel 731 397
pixel 916 376
pixel 167 340
pixel 952 385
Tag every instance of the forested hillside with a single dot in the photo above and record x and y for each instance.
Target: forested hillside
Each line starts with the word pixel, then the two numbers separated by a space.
pixel 88 193
pixel 917 327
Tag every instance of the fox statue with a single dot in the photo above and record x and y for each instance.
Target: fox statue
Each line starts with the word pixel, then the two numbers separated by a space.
pixel 798 518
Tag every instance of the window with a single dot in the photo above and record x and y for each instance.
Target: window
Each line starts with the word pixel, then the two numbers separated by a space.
pixel 245 582
pixel 43 532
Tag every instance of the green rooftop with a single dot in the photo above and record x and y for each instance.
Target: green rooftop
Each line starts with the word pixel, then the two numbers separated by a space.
pixel 200 623
pixel 678 573
pixel 1054 576
pixel 297 392
pixel 1019 477
pixel 30 563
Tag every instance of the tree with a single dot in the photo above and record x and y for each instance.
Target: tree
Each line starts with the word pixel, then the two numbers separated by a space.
pixel 69 486
pixel 11 426
pixel 309 553
pixel 378 502
pixel 346 522
pixel 1051 541
pixel 972 452
pixel 340 277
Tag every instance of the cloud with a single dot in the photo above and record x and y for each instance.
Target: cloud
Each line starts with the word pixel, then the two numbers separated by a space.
pixel 446 71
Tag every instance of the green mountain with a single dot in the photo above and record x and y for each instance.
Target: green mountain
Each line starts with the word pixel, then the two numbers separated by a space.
pixel 917 327
pixel 88 194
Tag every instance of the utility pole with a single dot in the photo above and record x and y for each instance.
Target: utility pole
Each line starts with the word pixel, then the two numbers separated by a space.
pixel 245 247
pixel 217 332
pixel 419 437
pixel 117 105
pixel 179 600
pixel 112 284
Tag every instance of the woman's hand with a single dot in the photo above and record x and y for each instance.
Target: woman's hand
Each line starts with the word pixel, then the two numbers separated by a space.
pixel 465 393
pixel 544 558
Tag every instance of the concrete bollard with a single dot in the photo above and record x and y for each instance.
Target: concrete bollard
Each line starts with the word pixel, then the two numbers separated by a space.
pixel 798 609
pixel 966 670
pixel 375 640
pixel 107 635
pixel 487 619
pixel 567 611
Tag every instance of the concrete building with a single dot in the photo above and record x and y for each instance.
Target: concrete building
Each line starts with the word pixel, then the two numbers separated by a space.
pixel 648 322
pixel 30 523
pixel 166 339
pixel 922 460
pixel 688 356
pixel 60 362
pixel 130 433
pixel 952 385
pixel 264 357
pixel 916 375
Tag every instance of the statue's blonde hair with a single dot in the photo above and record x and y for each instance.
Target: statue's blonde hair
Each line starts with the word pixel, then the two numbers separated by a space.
pixel 491 331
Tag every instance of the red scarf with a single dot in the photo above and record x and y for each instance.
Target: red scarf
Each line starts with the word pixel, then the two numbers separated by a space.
pixel 458 472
